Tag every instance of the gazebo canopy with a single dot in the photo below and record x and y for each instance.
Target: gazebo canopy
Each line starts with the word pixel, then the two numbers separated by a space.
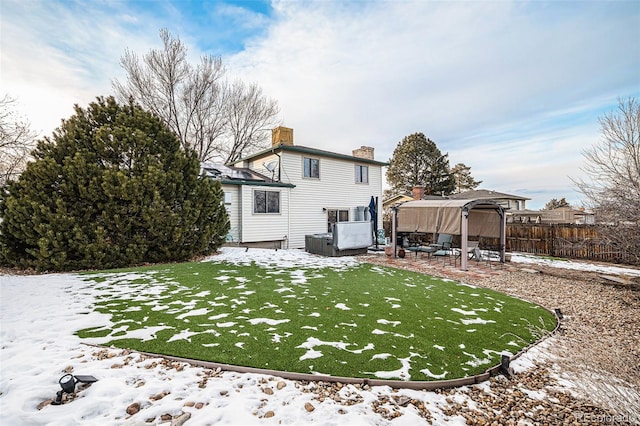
pixel 445 217
pixel 477 218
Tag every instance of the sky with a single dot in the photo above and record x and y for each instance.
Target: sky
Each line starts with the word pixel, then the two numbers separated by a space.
pixel 513 89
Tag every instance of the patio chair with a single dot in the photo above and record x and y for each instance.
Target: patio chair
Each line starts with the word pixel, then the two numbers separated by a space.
pixel 473 250
pixel 233 236
pixel 442 240
pixel 446 252
pixel 430 249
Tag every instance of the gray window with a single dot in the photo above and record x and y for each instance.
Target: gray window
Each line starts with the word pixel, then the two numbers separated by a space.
pixel 266 201
pixel 311 168
pixel 362 174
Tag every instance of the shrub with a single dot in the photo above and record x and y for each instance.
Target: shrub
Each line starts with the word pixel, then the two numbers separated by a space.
pixel 112 188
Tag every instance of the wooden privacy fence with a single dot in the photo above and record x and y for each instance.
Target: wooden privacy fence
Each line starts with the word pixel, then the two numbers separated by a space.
pixel 563 240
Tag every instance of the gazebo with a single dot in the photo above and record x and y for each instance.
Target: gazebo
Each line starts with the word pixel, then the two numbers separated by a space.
pixel 475 217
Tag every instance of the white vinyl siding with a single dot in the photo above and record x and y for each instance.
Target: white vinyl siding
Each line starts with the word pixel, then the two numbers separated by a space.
pixel 258 227
pixel 234 209
pixel 335 190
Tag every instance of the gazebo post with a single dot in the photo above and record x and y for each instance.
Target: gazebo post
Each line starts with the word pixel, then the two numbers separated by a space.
pixel 503 233
pixel 464 237
pixel 393 230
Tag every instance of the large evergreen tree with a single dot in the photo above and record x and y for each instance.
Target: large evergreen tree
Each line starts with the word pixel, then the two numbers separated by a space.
pixel 418 161
pixel 463 179
pixel 111 188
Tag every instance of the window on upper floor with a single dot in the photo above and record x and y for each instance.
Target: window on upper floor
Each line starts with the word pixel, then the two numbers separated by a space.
pixel 266 201
pixel 362 174
pixel 311 168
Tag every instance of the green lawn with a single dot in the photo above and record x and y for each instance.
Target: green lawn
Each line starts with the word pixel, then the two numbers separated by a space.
pixel 358 321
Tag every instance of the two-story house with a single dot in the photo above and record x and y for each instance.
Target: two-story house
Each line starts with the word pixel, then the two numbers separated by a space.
pixel 278 195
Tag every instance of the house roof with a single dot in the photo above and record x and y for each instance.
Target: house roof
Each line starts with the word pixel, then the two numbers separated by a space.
pixel 486 194
pixel 310 151
pixel 397 198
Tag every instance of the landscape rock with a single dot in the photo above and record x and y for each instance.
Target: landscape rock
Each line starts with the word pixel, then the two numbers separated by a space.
pixel 181 419
pixel 133 408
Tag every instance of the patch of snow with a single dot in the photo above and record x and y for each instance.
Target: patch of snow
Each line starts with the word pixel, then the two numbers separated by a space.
pixel 195 312
pixel 574 265
pixel 428 373
pixel 463 312
pixel 219 316
pixel 476 321
pixel 401 373
pixel 386 322
pixel 343 307
pixel 269 321
pixel 183 335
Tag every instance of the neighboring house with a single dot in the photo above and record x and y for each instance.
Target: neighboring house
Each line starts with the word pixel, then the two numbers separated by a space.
pixel 559 215
pixel 277 196
pixel 512 202
pixel 395 200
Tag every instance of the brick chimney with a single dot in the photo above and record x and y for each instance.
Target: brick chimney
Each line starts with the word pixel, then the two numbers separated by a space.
pixel 281 136
pixel 365 152
pixel 418 192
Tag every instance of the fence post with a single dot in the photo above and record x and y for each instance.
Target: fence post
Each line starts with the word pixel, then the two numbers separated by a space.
pixel 553 239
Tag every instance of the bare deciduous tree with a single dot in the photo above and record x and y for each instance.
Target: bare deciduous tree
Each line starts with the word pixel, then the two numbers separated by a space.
pixel 251 116
pixel 16 141
pixel 194 101
pixel 612 183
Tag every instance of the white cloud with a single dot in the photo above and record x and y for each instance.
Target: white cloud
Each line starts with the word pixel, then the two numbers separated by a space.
pixel 512 89
pixel 55 55
pixel 353 74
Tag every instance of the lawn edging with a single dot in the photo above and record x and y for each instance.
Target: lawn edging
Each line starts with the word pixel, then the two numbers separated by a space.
pixel 399 384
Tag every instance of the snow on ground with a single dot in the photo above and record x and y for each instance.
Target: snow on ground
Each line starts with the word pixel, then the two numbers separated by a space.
pixel 575 265
pixel 40 313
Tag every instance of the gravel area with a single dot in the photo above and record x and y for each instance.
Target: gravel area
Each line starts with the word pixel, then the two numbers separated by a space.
pixel 589 372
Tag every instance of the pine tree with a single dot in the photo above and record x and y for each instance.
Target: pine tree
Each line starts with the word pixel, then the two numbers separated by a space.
pixel 463 179
pixel 112 188
pixel 555 204
pixel 418 161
